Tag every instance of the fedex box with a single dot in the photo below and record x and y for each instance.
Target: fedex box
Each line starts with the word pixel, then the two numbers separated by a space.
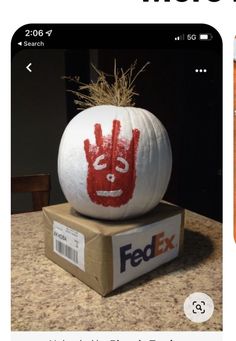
pixel 107 254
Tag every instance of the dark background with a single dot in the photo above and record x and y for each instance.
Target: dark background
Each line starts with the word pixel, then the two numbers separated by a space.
pixel 189 104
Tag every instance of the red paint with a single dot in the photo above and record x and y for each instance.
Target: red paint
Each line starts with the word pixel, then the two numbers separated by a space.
pixel 111 166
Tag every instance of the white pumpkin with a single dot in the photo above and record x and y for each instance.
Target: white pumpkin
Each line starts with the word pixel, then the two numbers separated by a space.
pixel 114 162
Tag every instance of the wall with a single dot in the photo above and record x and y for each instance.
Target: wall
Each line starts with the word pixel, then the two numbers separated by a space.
pixel 38 117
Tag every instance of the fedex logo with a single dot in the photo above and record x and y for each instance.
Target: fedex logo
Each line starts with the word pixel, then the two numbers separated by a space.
pixel 159 244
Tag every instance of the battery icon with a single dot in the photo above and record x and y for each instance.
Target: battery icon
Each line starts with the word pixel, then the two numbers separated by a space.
pixel 205 36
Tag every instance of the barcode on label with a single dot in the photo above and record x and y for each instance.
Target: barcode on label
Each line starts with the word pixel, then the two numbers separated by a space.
pixel 67 251
pixel 69 244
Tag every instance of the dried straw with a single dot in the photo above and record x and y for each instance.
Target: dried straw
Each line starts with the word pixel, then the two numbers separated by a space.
pixel 118 91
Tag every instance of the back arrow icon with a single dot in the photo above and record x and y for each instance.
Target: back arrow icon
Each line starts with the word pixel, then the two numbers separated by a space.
pixel 28 67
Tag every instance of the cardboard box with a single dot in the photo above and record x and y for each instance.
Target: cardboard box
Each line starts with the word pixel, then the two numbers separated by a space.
pixel 107 254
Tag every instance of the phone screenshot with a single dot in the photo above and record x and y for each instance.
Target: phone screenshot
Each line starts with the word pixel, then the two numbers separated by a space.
pixel 117 179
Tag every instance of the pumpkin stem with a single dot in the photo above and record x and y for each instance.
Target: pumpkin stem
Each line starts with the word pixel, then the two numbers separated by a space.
pixel 119 90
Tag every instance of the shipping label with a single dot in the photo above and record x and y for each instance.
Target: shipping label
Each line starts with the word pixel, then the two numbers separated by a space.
pixel 69 244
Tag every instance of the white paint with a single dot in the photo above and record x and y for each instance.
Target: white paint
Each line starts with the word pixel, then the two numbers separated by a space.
pixel 111 177
pixel 96 164
pixel 113 194
pixel 125 163
pixel 153 162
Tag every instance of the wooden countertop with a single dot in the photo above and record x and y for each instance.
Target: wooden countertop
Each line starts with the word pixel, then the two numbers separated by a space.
pixel 47 298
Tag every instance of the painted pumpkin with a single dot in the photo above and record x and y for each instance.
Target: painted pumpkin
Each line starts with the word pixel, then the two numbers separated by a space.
pixel 114 162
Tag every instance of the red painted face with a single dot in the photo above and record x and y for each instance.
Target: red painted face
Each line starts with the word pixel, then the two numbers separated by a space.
pixel 111 166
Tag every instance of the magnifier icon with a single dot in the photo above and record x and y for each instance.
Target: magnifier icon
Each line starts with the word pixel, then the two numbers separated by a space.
pixel 198 307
